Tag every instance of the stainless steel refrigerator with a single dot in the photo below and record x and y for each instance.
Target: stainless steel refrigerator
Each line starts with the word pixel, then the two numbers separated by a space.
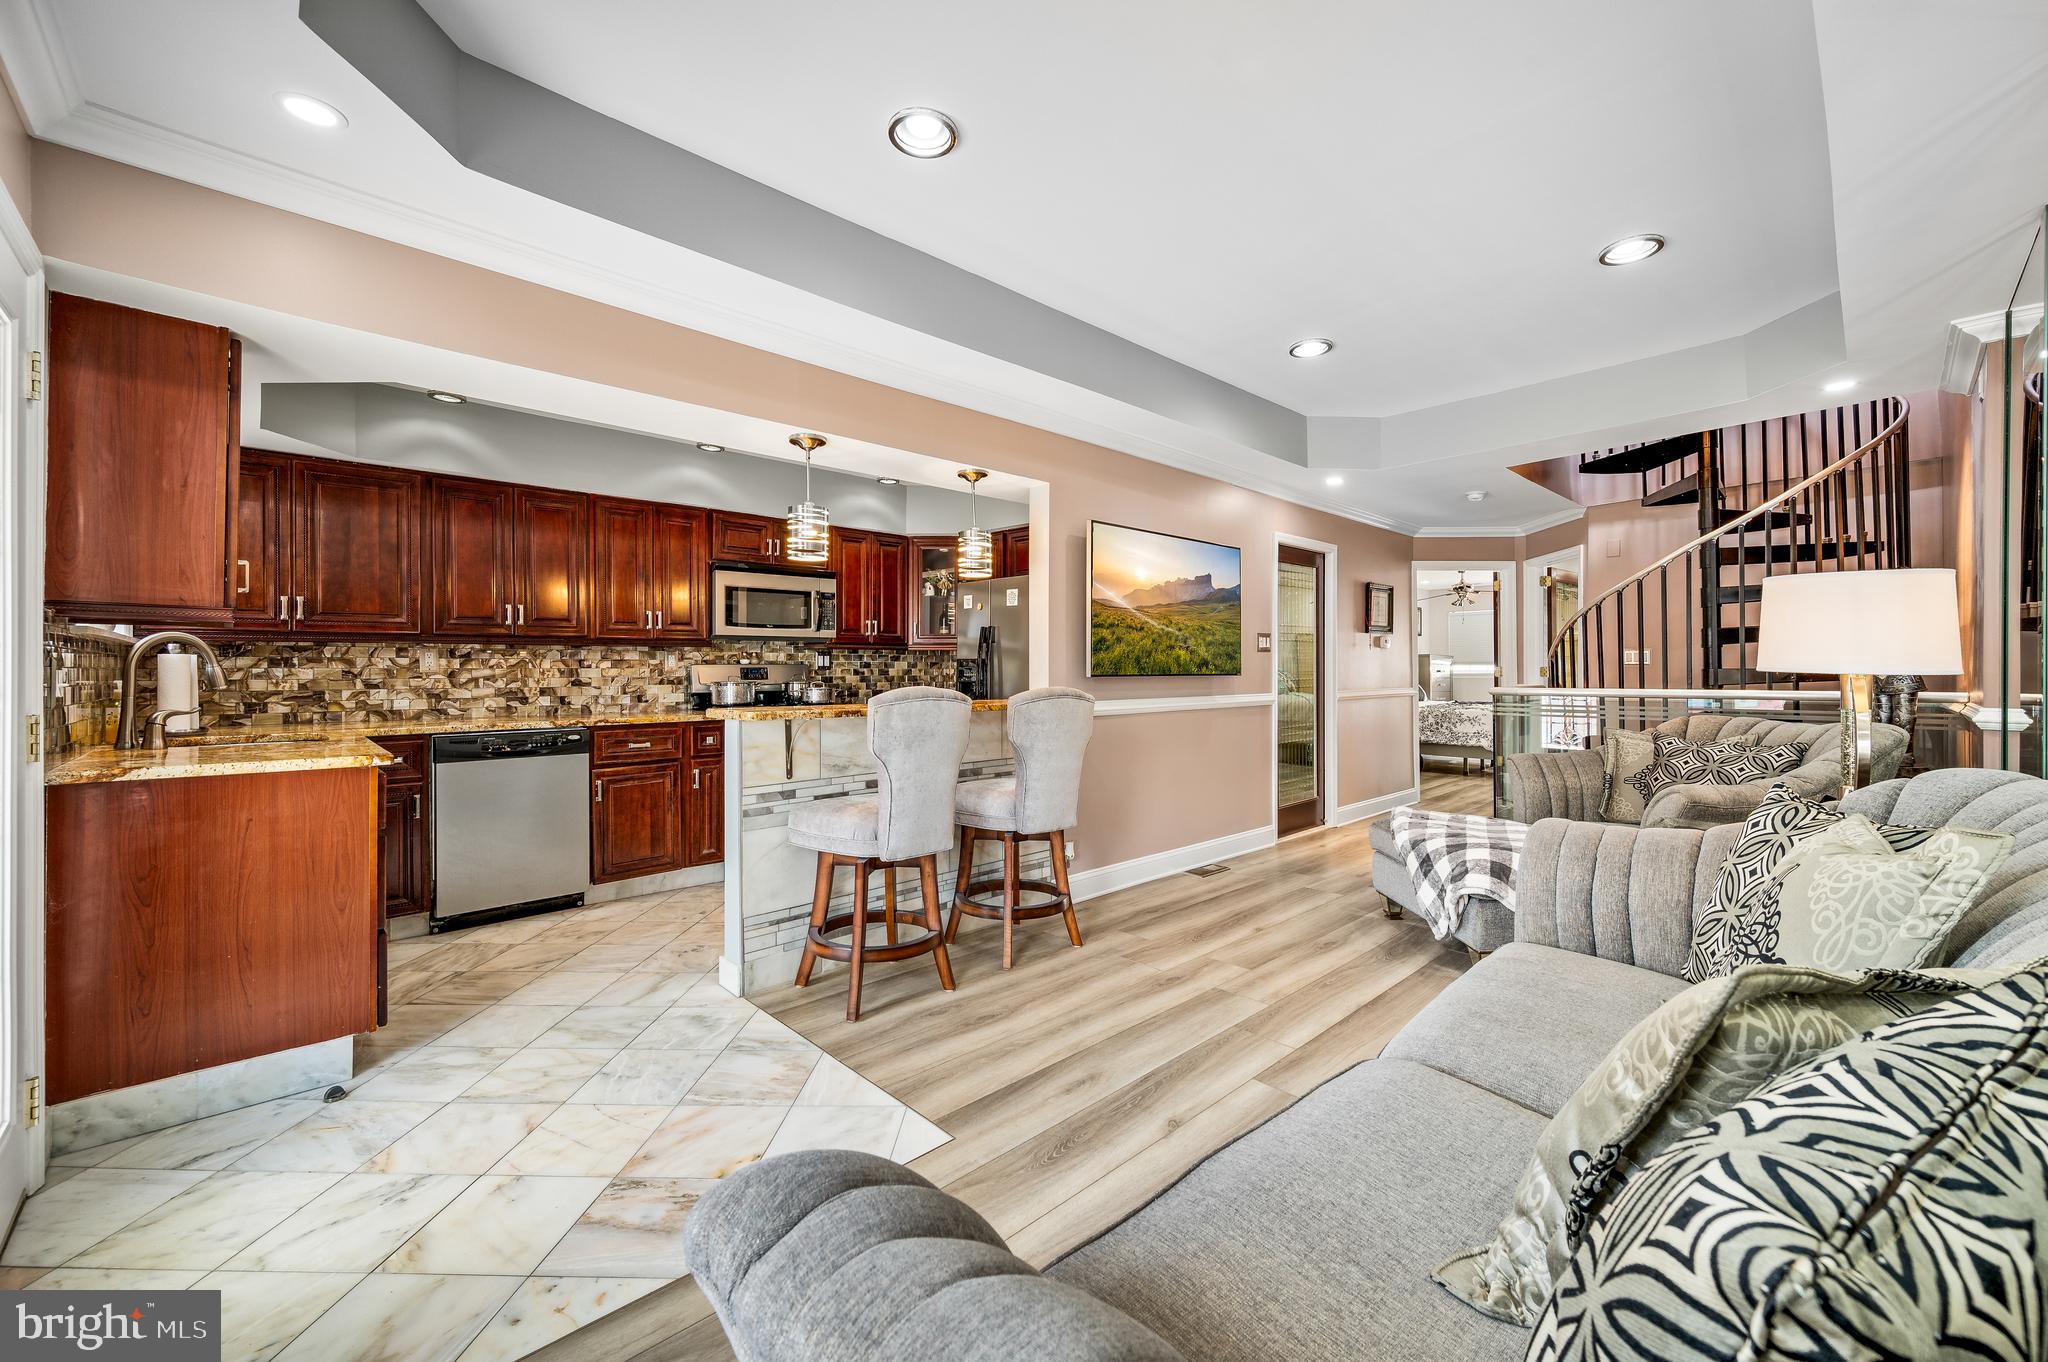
pixel 995 634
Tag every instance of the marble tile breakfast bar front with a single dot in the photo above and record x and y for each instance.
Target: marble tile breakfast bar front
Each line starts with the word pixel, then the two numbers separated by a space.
pixel 777 760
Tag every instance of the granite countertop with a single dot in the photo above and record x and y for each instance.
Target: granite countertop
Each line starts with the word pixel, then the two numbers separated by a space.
pixel 327 731
pixel 748 712
pixel 101 765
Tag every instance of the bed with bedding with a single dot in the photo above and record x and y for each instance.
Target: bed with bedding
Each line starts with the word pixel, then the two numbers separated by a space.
pixel 1458 729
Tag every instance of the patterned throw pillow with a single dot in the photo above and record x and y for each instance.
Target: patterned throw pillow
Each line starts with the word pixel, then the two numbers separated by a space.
pixel 1629 760
pixel 1779 823
pixel 1686 1063
pixel 1715 763
pixel 1889 1199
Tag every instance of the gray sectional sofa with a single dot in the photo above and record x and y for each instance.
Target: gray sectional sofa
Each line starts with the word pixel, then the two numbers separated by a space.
pixel 1313 1236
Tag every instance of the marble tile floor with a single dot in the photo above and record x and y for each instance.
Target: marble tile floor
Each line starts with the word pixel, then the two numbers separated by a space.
pixel 516 1156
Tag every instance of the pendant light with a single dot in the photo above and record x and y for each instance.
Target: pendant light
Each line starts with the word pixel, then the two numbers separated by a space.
pixel 810 536
pixel 975 557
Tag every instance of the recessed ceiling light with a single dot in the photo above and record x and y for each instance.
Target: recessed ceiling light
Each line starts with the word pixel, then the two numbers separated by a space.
pixel 1475 495
pixel 1333 481
pixel 926 134
pixel 453 399
pixel 1840 385
pixel 888 482
pixel 710 448
pixel 307 109
pixel 1630 249
pixel 1312 348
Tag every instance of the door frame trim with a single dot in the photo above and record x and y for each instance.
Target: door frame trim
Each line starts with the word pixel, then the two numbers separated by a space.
pixel 1535 647
pixel 1326 678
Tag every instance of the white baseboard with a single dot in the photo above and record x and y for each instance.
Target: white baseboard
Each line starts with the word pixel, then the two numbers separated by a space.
pixel 1107 879
pixel 1373 808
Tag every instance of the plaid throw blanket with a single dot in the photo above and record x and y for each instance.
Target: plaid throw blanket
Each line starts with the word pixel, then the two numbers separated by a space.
pixel 1452 857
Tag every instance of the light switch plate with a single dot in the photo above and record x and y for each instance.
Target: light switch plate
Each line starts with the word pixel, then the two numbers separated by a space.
pixel 1265 643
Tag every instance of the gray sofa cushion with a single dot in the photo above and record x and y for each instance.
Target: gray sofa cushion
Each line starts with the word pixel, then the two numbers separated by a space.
pixel 1313 1236
pixel 1486 925
pixel 1528 1023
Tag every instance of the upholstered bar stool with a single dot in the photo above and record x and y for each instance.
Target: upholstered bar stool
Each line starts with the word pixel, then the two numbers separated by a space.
pixel 1049 731
pixel 917 736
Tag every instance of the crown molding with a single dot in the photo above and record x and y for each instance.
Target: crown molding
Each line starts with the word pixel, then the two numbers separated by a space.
pixel 38 65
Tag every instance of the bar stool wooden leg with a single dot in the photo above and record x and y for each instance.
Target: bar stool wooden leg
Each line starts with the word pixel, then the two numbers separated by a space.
pixel 928 881
pixel 966 865
pixel 1010 894
pixel 889 902
pixel 859 943
pixel 820 897
pixel 1059 876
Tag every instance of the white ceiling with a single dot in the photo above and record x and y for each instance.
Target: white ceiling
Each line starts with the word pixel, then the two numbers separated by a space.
pixel 1206 182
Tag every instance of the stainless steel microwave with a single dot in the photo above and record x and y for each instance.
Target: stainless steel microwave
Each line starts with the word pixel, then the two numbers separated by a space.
pixel 774 605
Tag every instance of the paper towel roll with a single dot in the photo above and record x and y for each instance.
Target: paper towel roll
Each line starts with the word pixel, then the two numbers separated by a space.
pixel 177 687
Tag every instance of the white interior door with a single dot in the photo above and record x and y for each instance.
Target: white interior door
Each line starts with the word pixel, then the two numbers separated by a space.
pixel 22 1148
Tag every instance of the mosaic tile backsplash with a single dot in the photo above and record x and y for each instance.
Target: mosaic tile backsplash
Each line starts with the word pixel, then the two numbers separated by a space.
pixel 309 682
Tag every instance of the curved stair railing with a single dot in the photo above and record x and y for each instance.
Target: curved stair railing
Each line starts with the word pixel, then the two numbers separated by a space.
pixel 1842 503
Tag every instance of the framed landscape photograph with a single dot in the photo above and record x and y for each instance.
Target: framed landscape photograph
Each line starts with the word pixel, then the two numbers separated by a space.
pixel 1162 605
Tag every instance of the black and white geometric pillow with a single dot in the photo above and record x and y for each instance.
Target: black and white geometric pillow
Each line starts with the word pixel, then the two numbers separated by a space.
pixel 1782 821
pixel 1715 763
pixel 1887 1200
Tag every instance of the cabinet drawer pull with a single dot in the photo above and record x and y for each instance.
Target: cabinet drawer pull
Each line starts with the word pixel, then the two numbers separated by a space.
pixel 508 612
pixel 646 619
pixel 598 796
pixel 284 609
pixel 696 777
pixel 522 612
pixel 415 806
pixel 636 746
pixel 243 564
pixel 657 619
pixel 300 612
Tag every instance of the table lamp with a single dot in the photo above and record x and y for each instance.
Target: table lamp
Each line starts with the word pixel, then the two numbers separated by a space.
pixel 1856 625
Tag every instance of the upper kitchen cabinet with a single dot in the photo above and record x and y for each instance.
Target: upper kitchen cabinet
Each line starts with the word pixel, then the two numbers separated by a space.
pixel 1013 551
pixel 507 561
pixel 934 592
pixel 647 570
pixel 355 549
pixel 737 538
pixel 874 592
pixel 325 547
pixel 142 466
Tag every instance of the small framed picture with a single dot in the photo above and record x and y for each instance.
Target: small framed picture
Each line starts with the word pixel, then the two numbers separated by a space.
pixel 1379 608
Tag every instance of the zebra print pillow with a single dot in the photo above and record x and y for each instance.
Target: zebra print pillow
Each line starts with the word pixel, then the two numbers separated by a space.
pixel 1889 1199
pixel 1721 937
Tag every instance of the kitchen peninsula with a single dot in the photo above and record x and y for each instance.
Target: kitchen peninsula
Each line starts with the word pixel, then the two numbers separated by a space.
pixel 780 757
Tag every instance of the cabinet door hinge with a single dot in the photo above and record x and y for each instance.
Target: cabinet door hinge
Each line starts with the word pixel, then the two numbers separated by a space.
pixel 35 738
pixel 34 386
pixel 32 1101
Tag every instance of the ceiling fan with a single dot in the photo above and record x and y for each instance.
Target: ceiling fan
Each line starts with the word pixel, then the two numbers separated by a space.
pixel 1464 593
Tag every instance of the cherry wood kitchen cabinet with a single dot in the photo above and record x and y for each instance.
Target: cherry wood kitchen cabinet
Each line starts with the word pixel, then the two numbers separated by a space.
pixel 325 547
pixel 355 549
pixel 704 798
pixel 507 561
pixel 636 806
pixel 754 539
pixel 873 571
pixel 143 446
pixel 1013 551
pixel 239 918
pixel 407 855
pixel 934 586
pixel 648 571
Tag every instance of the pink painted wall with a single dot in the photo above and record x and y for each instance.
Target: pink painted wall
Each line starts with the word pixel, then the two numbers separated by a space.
pixel 1155 781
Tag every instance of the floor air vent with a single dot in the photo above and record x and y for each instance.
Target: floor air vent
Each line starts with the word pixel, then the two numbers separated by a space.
pixel 1203 872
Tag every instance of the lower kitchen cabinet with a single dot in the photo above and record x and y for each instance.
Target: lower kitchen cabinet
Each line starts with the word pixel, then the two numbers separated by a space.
pixel 636 821
pixel 704 800
pixel 406 861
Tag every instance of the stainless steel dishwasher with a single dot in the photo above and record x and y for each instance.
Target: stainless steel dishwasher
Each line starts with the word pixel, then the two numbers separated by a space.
pixel 511 823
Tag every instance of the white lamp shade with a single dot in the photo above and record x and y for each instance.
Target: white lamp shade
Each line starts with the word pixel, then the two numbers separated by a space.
pixel 1882 622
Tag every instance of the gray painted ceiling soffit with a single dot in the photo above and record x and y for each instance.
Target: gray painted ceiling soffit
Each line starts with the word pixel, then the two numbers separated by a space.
pixel 520 133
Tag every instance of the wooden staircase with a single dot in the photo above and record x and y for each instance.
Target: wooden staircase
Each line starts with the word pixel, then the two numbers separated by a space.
pixel 1825 491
